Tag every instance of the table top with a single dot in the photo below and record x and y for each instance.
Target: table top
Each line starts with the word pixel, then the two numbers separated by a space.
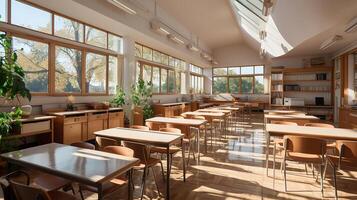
pixel 76 164
pixel 156 138
pixel 206 114
pixel 76 112
pixel 292 117
pixel 34 118
pixel 284 112
pixel 228 108
pixel 172 104
pixel 215 110
pixel 328 133
pixel 189 122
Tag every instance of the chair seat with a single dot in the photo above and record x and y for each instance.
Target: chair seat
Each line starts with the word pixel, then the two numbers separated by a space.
pixel 345 163
pixel 108 187
pixel 50 183
pixel 58 195
pixel 172 150
pixel 304 157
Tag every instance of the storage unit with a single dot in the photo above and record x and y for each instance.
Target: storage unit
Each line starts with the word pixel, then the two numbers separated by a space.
pixel 76 126
pixel 171 109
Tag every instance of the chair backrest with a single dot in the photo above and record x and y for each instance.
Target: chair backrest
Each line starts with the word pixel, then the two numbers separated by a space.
pixel 153 126
pixel 141 151
pixel 170 130
pixel 103 142
pixel 27 192
pixel 284 123
pixel 8 192
pixel 84 145
pixel 124 151
pixel 321 125
pixel 301 144
pixel 144 128
pixel 347 149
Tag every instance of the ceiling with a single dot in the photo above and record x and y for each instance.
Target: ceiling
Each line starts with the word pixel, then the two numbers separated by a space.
pixel 216 25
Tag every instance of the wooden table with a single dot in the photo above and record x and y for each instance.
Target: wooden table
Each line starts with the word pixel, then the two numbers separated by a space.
pixel 195 123
pixel 301 119
pixel 155 138
pixel 283 112
pixel 316 132
pixel 89 167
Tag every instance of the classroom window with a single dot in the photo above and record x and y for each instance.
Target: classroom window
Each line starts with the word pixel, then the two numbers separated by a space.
pixel 259 84
pixel 147 53
pixel 219 85
pixel 138 50
pixel 163 84
pixel 30 17
pixel 115 43
pixel 147 73
pixel 247 85
pixel 33 58
pixel 156 80
pixel 234 85
pixel 220 71
pixel 171 81
pixel 112 74
pixel 3 10
pixel 68 70
pixel 95 37
pixel 68 29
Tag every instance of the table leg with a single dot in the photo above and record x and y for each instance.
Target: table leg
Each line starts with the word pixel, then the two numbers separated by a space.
pixel 198 146
pixel 130 195
pixel 183 160
pixel 211 127
pixel 100 192
pixel 168 172
pixel 206 138
pixel 267 152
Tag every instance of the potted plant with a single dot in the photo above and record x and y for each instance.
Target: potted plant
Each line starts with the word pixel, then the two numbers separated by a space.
pixel 12 88
pixel 141 94
pixel 119 98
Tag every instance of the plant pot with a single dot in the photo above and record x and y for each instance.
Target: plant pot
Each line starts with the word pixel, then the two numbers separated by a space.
pixel 26 110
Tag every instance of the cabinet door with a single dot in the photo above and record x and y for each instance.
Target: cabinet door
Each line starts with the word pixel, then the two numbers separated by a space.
pixel 93 126
pixel 116 119
pixel 72 133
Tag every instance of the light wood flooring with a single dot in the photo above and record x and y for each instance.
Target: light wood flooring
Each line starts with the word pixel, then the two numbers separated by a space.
pixel 235 169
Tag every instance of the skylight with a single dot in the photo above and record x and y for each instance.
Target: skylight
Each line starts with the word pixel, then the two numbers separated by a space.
pixel 254 6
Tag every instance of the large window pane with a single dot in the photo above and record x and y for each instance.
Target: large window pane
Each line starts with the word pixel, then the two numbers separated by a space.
pixel 138 50
pixel 178 82
pixel 147 53
pixel 220 71
pixel 96 70
pixel 3 9
pixel 163 80
pixel 234 70
pixel 171 79
pixel 259 85
pixel 219 84
pixel 156 80
pixel 234 85
pixel 96 37
pixel 137 72
pixel 30 17
pixel 164 59
pixel 183 83
pixel 33 58
pixel 68 29
pixel 172 61
pixel 247 85
pixel 115 43
pixel 247 70
pixel 259 70
pixel 68 73
pixel 113 74
pixel 147 73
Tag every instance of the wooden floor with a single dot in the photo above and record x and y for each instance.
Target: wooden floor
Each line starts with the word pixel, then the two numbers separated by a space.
pixel 234 169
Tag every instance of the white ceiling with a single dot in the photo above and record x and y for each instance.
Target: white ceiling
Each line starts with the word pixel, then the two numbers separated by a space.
pixel 213 21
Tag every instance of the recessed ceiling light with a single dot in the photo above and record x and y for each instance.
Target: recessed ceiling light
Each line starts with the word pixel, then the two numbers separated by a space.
pixel 122 6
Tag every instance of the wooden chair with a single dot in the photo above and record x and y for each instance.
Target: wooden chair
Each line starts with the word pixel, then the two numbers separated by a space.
pixel 142 152
pixel 21 190
pixel 330 144
pixel 102 142
pixel 114 184
pixel 346 160
pixel 154 126
pixel 304 150
pixel 279 143
pixel 144 128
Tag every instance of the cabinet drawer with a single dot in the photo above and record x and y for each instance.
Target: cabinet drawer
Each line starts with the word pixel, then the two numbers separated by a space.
pixel 114 114
pixel 72 133
pixel 97 116
pixel 77 119
pixel 36 127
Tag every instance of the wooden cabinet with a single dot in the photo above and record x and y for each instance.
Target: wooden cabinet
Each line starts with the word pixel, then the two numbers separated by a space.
pixel 171 109
pixel 76 126
pixel 347 118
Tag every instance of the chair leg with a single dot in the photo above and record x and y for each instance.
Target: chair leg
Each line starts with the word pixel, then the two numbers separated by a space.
pixel 170 163
pixel 157 186
pixel 322 179
pixel 285 184
pixel 274 155
pixel 162 171
pixel 81 193
pixel 335 181
pixel 143 183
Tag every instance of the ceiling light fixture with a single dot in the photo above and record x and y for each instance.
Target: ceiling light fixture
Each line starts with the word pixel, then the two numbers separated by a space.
pixel 331 41
pixel 159 28
pixel 214 62
pixel 175 39
pixel 267 5
pixel 122 6
pixel 351 26
pixel 192 47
